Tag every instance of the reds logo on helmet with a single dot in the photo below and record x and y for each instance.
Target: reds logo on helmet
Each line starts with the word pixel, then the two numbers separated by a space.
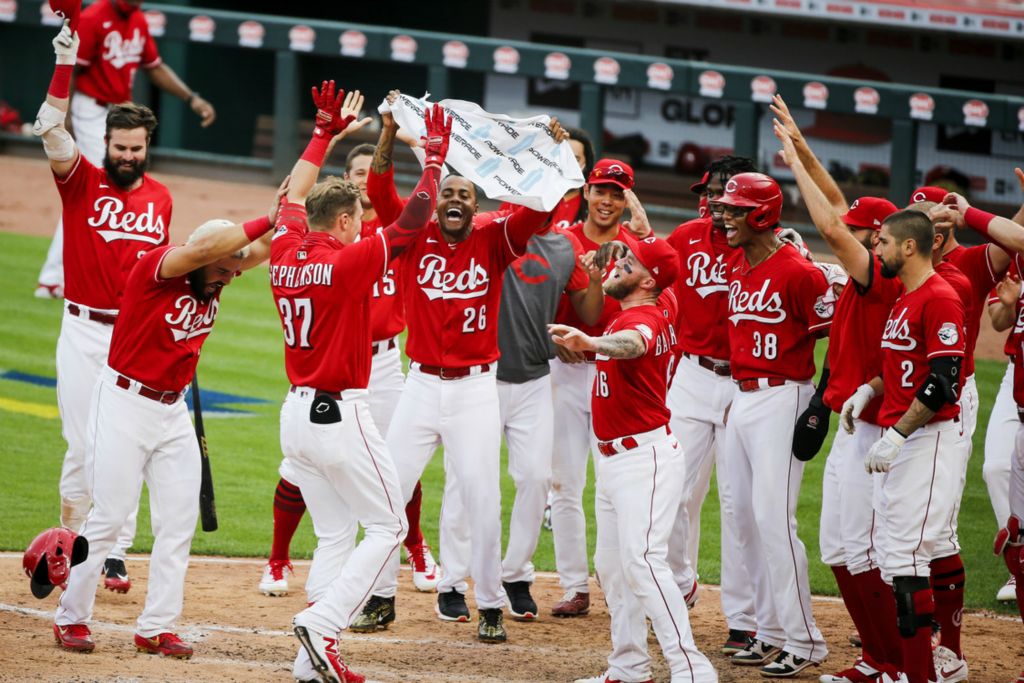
pixel 758 192
pixel 49 558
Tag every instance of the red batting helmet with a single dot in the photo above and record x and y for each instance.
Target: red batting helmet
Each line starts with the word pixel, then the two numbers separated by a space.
pixel 50 556
pixel 67 9
pixel 758 192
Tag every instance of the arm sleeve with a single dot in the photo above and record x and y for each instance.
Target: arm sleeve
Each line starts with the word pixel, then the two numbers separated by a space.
pixel 416 214
pixel 380 188
pixel 943 327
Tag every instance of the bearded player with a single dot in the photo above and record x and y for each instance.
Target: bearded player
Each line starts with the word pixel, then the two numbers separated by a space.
pixel 640 469
pixel 776 312
pixel 114 43
pixel 114 215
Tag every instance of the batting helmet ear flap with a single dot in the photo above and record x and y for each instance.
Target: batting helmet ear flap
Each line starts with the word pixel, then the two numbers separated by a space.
pixel 49 558
pixel 79 550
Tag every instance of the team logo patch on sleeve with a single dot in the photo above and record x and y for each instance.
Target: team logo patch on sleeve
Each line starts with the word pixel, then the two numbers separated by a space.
pixel 824 306
pixel 646 331
pixel 948 334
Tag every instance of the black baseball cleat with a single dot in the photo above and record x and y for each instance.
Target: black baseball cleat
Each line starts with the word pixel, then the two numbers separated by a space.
pixel 786 665
pixel 376 615
pixel 520 603
pixel 737 641
pixel 451 606
pixel 491 628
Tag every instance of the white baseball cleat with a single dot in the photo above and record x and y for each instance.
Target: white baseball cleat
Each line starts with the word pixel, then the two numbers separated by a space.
pixel 322 649
pixel 49 291
pixel 1008 593
pixel 425 572
pixel 274 581
pixel 949 667
pixel 691 598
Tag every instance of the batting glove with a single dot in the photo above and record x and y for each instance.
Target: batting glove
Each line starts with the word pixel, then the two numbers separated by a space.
pixel 65 45
pixel 438 133
pixel 329 121
pixel 884 451
pixel 1007 536
pixel 854 406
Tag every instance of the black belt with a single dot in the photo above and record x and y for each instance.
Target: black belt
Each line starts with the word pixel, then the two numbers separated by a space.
pixel 95 316
pixel 336 395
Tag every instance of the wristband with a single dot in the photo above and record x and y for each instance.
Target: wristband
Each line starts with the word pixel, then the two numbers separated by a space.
pixel 60 84
pixel 316 150
pixel 191 97
pixel 257 227
pixel 977 219
pixel 895 436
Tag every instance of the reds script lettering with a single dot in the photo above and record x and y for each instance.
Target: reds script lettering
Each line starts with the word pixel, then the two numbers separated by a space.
pixel 144 227
pixel 186 324
pixel 706 277
pixel 897 333
pixel 309 274
pixel 119 51
pixel 760 305
pixel 436 283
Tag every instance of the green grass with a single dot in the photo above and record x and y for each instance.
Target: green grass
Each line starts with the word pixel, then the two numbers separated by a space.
pixel 244 356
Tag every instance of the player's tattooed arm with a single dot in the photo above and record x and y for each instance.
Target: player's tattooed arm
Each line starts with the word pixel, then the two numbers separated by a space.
pixel 821 177
pixel 622 344
pixel 383 155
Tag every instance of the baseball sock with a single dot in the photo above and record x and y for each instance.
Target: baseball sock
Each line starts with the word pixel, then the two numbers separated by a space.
pixel 412 513
pixel 288 510
pixel 880 607
pixel 948 579
pixel 918 664
pixel 848 589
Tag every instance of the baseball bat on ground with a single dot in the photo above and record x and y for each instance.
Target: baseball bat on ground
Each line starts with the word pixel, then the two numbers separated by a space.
pixel 207 506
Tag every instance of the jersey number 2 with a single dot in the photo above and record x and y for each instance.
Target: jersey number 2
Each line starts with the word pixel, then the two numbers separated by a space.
pixel 296 313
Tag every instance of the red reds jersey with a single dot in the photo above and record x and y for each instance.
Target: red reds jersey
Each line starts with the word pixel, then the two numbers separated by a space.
pixel 1015 342
pixel 702 288
pixel 322 291
pixel 161 327
pixel 962 286
pixel 387 317
pixel 924 324
pixel 993 298
pixel 639 383
pixel 106 230
pixel 976 265
pixel 854 342
pixel 566 314
pixel 776 311
pixel 112 48
pixel 452 291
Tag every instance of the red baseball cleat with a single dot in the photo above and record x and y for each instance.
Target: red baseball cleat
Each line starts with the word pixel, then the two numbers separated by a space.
pixel 164 644
pixel 115 576
pixel 74 637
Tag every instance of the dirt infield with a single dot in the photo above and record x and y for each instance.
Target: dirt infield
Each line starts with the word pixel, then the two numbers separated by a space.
pixel 29 204
pixel 239 635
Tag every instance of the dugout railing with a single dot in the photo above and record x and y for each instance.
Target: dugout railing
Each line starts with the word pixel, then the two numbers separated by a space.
pixel 746 89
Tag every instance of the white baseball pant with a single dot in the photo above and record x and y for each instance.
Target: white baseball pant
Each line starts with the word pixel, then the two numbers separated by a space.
pixel 698 398
pixel 528 426
pixel 766 485
pixel 463 416
pixel 948 543
pixel 571 386
pixel 385 385
pixel 999 438
pixel 346 475
pixel 132 438
pixel 917 495
pixel 89 124
pixel 82 348
pixel 1017 475
pixel 638 495
pixel 849 525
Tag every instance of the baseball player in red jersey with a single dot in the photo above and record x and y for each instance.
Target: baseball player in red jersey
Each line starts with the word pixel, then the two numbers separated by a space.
pixel 640 469
pixel 698 395
pixel 115 213
pixel 139 427
pixel 922 353
pixel 452 292
pixel 114 42
pixel 776 311
pixel 322 281
pixel 572 379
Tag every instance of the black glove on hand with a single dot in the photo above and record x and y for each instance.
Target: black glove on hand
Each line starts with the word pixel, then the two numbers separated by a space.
pixel 811 429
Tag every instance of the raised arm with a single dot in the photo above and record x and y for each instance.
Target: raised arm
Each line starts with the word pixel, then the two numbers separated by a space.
pixel 1006 235
pixel 822 178
pixel 589 302
pixel 854 258
pixel 207 246
pixel 622 344
pixel 58 144
pixel 1003 312
pixel 332 117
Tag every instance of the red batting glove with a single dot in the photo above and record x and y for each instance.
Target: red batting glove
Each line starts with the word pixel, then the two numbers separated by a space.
pixel 328 111
pixel 438 133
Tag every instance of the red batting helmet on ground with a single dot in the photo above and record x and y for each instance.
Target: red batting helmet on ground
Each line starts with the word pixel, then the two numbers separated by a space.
pixel 758 192
pixel 50 557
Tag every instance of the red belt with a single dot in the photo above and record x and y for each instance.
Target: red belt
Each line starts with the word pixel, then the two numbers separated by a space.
pixel 95 316
pixel 453 373
pixel 755 384
pixel 720 368
pixel 167 397
pixel 381 346
pixel 608 448
pixel 336 395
